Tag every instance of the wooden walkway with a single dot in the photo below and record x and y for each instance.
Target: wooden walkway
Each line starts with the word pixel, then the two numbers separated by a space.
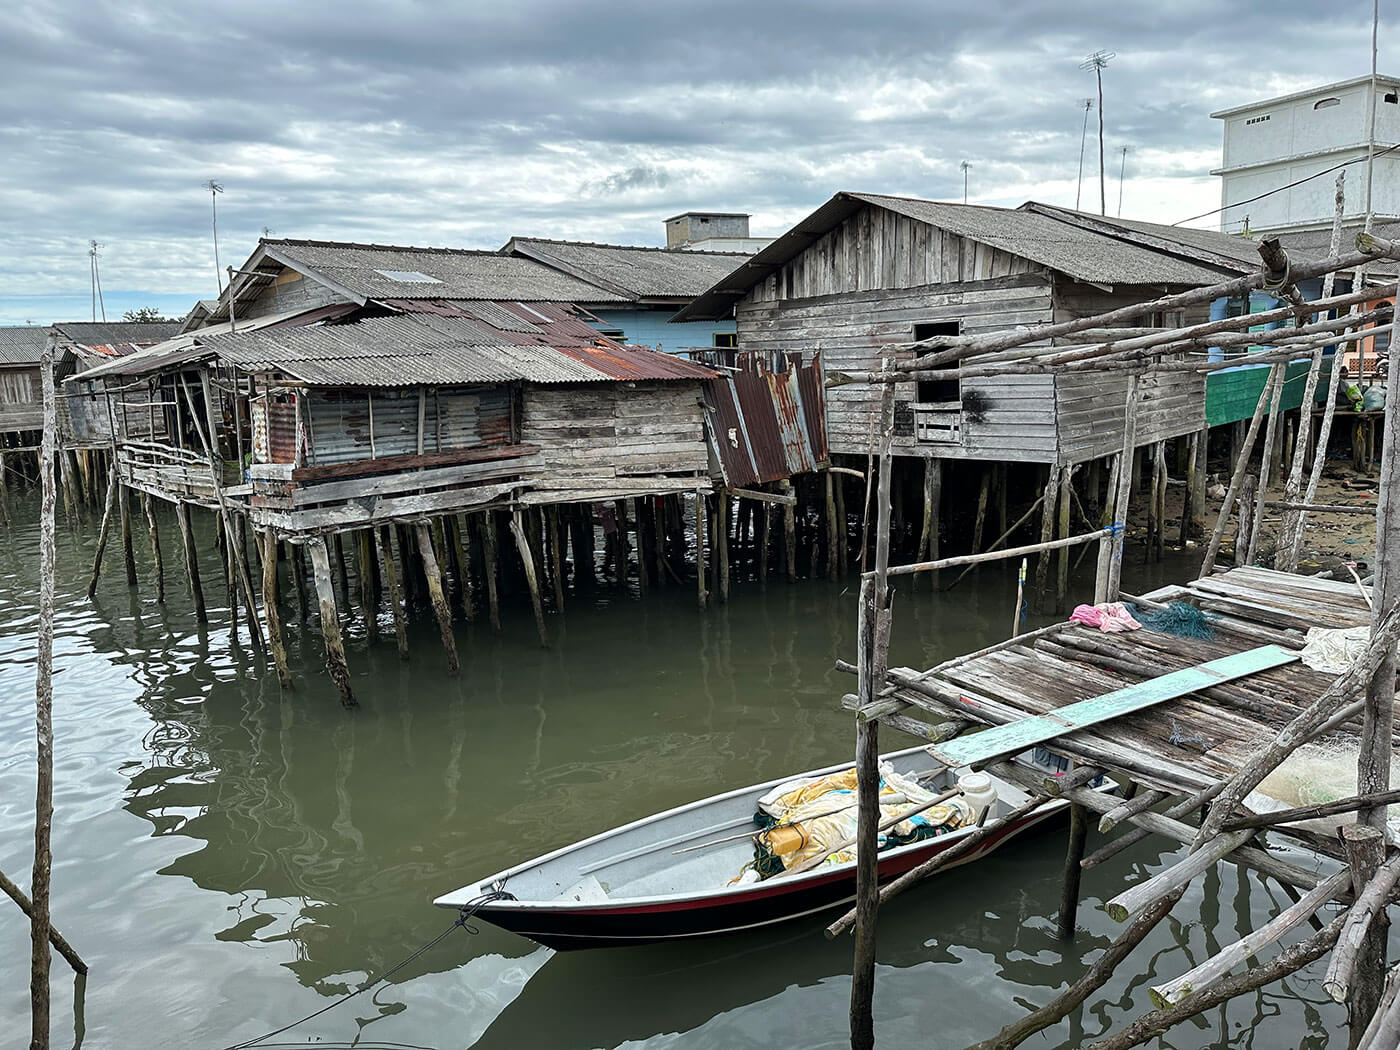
pixel 1179 745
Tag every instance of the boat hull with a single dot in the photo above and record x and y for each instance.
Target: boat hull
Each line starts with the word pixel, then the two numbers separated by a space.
pixel 645 921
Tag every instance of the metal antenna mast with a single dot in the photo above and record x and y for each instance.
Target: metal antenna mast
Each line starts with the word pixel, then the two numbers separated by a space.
pixel 1083 134
pixel 1122 167
pixel 1097 61
pixel 215 189
pixel 965 165
pixel 97 299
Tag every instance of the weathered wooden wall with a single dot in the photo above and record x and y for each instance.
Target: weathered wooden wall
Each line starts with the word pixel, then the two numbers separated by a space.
pixel 290 291
pixel 605 438
pixel 21 399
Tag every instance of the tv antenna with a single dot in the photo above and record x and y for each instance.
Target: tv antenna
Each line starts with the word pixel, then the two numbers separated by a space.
pixel 964 165
pixel 1097 61
pixel 1088 104
pixel 96 276
pixel 215 189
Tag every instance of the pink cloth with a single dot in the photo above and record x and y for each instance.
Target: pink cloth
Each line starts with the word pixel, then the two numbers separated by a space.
pixel 1110 617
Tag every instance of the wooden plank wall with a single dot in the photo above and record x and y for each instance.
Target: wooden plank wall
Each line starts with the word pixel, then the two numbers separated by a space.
pixel 867 283
pixel 596 437
pixel 1089 405
pixel 878 249
pixel 291 291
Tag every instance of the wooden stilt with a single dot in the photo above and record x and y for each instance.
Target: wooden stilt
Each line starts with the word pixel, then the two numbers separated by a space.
pixel 1047 531
pixel 643 571
pixel 1069 893
pixel 528 560
pixel 622 567
pixel 556 554
pixel 1154 521
pixel 582 542
pixel 1246 529
pixel 700 558
pixel 271 612
pixel 156 555
pixel 342 575
pixel 384 549
pixel 1365 847
pixel 369 598
pixel 722 542
pixel 1159 495
pixel 436 595
pixel 408 578
pixel 462 558
pixel 789 530
pixel 842 533
pixel 980 521
pixel 1062 564
pixel 330 624
pixel 297 567
pixel 102 531
pixel 182 518
pixel 765 521
pixel 1273 435
pixel 832 552
pixel 1241 461
pixel 128 553
pixel 487 522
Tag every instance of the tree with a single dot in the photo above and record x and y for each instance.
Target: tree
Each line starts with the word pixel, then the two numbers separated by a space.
pixel 146 314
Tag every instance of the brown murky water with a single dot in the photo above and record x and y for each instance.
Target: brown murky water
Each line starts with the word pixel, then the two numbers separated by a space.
pixel 229 858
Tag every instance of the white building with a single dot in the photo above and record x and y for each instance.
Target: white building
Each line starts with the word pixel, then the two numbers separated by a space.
pixel 1280 141
pixel 713 231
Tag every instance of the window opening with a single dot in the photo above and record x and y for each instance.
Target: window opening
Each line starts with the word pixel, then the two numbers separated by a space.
pixel 941 391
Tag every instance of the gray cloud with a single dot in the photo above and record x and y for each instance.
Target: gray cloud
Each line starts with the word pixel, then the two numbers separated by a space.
pixel 465 124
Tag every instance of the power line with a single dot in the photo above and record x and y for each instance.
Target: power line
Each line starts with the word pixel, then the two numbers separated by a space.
pixel 1289 186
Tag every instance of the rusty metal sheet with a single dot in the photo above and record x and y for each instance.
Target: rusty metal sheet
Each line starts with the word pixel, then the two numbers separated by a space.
pixel 767 418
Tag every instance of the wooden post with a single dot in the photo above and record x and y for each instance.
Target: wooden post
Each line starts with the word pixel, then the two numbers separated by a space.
pixel 297 568
pixel 1159 495
pixel 872 642
pixel 155 547
pixel 1272 436
pixel 1123 495
pixel 556 554
pixel 191 552
pixel 435 592
pixel 384 549
pixel 980 521
pixel 832 543
pixel 700 557
pixel 40 925
pixel 487 522
pixel 765 521
pixel 722 542
pixel 128 554
pixel 789 530
pixel 112 486
pixel 1247 511
pixel 1062 565
pixel 1069 894
pixel 1365 847
pixel 842 538
pixel 330 623
pixel 933 506
pixel 1047 531
pixel 369 599
pixel 522 543
pixel 643 573
pixel 342 575
pixel 270 610
pixel 462 557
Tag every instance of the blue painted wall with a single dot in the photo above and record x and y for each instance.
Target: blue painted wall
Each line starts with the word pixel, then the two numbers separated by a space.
pixel 651 327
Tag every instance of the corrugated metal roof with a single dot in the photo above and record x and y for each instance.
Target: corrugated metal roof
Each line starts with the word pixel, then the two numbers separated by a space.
pixel 108 333
pixel 434 348
pixel 454 273
pixel 637 272
pixel 1058 242
pixel 22 345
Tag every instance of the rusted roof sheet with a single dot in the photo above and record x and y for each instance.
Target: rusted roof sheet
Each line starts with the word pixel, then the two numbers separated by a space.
pixel 767 418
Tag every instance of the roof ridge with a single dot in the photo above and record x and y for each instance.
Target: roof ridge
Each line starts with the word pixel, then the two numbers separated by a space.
pixel 309 242
pixel 628 247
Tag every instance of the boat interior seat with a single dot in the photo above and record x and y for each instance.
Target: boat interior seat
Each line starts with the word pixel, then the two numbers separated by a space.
pixel 588 891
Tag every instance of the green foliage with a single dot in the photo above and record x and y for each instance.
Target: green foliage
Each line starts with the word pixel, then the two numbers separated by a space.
pixel 146 313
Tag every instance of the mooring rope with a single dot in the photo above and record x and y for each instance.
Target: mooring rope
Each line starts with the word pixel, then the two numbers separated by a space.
pixel 465 913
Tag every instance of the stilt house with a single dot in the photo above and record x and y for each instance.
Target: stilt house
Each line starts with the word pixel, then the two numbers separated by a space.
pixel 21 389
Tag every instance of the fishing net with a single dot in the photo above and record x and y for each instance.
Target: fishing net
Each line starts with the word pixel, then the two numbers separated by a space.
pixel 1179 618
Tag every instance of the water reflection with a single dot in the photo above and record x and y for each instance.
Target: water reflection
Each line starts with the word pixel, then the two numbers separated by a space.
pixel 230 856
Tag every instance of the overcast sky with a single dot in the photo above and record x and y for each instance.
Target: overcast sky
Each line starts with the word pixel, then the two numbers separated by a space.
pixel 465 124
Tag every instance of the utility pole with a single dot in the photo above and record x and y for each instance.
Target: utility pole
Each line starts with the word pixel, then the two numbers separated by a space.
pixel 965 165
pixel 1122 168
pixel 214 190
pixel 1097 61
pixel 1083 134
pixel 96 277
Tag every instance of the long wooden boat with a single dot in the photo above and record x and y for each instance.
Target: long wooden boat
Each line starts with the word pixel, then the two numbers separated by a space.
pixel 645 882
